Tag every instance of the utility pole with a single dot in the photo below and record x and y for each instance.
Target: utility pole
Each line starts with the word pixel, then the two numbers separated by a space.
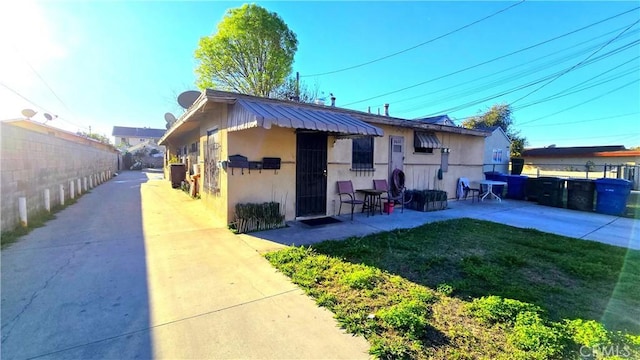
pixel 297 86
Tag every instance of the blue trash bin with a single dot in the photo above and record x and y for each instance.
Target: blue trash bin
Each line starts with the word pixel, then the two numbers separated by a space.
pixel 612 196
pixel 496 176
pixel 516 186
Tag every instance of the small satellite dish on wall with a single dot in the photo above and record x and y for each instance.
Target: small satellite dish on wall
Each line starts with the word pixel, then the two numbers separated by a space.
pixel 187 98
pixel 168 117
pixel 28 113
pixel 49 117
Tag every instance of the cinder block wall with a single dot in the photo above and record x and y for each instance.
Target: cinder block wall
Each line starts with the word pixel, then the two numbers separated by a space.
pixel 31 162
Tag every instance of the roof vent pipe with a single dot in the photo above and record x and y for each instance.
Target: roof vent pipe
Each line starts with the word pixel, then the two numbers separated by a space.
pixel 386 109
pixel 333 100
pixel 369 109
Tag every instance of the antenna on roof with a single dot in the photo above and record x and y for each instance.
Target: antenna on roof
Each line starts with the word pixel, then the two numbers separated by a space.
pixel 187 98
pixel 28 113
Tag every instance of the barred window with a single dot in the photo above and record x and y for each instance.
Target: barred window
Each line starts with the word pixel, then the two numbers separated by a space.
pixel 362 153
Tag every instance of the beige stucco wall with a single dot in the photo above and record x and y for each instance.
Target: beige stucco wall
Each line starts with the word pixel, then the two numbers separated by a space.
pixel 266 185
pixel 465 160
pixel 244 186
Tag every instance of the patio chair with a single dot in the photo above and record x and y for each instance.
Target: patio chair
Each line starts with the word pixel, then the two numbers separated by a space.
pixel 347 196
pixel 384 186
pixel 464 189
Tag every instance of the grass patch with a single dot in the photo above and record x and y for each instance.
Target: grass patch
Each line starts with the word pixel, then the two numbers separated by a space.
pixel 474 289
pixel 35 221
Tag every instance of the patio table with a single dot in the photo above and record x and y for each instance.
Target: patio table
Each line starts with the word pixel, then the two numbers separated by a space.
pixel 489 184
pixel 372 198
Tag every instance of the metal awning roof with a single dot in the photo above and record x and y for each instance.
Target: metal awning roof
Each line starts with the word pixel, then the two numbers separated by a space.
pixel 249 113
pixel 423 139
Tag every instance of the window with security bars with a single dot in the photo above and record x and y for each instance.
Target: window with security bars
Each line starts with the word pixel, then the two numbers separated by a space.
pixel 362 153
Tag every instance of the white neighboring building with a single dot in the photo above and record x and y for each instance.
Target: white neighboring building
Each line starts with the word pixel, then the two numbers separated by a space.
pixel 497 148
pixel 134 136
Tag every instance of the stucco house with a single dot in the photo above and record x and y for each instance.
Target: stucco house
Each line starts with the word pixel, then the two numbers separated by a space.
pixel 294 153
pixel 497 149
pixel 131 136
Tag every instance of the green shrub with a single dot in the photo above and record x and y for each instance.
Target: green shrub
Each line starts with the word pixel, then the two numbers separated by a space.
pixel 389 347
pixel 587 332
pixel 494 309
pixel 541 341
pixel 423 295
pixel 407 316
pixel 444 289
pixel 364 278
pixel 327 300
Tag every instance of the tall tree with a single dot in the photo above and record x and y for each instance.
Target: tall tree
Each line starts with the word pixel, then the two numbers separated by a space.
pixel 499 115
pixel 251 53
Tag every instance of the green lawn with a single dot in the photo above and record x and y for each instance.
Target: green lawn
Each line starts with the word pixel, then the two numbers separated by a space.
pixel 438 291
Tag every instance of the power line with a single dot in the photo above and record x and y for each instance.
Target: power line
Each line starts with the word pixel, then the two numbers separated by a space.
pixel 494 59
pixel 524 86
pixel 563 110
pixel 41 79
pixel 566 92
pixel 584 121
pixel 23 97
pixel 509 77
pixel 601 136
pixel 582 103
pixel 576 65
pixel 38 106
pixel 415 46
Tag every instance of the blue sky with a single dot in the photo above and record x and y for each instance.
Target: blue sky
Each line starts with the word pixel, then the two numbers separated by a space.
pixel 100 64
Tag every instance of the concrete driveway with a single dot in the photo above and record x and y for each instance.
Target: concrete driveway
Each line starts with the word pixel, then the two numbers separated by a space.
pixel 133 270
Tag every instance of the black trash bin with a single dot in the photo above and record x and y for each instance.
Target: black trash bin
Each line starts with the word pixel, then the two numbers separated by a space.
pixel 580 194
pixel 517 165
pixel 551 191
pixel 516 186
pixel 612 196
pixel 532 189
pixel 178 174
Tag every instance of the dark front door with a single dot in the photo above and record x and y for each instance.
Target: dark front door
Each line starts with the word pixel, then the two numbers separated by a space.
pixel 311 174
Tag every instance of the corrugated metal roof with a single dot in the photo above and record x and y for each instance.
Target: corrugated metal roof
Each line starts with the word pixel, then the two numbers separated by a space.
pixel 123 131
pixel 248 113
pixel 422 139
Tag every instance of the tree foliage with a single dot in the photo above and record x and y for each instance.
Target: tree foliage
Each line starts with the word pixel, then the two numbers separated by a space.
pixel 251 53
pixel 499 115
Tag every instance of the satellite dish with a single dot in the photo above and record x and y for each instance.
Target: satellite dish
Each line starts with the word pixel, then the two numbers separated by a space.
pixel 187 98
pixel 48 116
pixel 168 117
pixel 28 113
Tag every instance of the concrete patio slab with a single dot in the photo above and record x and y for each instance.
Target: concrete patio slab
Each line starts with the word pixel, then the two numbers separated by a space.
pixel 603 228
